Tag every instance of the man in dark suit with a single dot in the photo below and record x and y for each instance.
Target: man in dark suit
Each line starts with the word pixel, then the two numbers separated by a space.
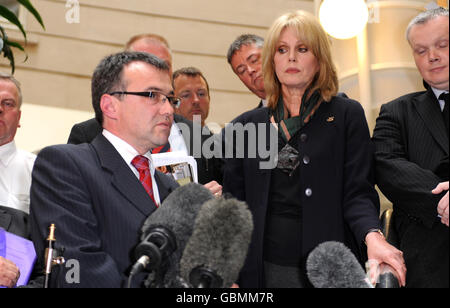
pixel 154 44
pixel 181 136
pixel 99 194
pixel 191 86
pixel 412 156
pixel 244 57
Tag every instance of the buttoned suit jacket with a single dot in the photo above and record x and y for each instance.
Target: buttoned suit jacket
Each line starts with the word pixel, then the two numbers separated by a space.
pixel 412 156
pixel 98 206
pixel 341 203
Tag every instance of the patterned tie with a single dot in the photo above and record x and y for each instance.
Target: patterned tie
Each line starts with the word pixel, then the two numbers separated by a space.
pixel 162 149
pixel 141 164
pixel 445 114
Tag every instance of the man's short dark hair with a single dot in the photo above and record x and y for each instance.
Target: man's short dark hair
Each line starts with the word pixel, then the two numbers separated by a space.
pixel 191 72
pixel 108 76
pixel 244 40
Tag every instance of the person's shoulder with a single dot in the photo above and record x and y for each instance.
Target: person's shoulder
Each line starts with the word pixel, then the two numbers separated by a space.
pixel 180 119
pixel 405 100
pixel 255 116
pixel 66 150
pixel 88 123
pixel 344 100
pixel 26 156
pixel 345 103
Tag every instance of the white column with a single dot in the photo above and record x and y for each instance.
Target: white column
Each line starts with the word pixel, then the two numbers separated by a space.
pixel 364 77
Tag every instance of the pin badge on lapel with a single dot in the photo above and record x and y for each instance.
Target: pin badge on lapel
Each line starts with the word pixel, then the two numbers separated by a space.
pixel 330 119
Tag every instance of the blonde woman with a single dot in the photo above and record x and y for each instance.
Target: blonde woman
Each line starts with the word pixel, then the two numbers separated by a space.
pixel 322 187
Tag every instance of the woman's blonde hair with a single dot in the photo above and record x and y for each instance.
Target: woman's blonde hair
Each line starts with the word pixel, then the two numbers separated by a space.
pixel 314 37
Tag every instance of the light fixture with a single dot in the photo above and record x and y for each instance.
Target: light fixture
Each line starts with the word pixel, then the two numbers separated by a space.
pixel 343 19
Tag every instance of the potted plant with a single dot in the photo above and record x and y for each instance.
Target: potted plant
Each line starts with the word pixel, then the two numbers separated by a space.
pixel 5 43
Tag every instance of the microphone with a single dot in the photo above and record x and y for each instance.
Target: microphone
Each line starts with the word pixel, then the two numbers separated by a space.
pixel 166 231
pixel 216 251
pixel 386 278
pixel 333 265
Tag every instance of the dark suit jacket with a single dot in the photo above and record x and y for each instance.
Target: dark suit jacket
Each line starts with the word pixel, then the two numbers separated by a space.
pixel 98 206
pixel 14 221
pixel 84 132
pixel 260 105
pixel 412 153
pixel 208 169
pixel 343 205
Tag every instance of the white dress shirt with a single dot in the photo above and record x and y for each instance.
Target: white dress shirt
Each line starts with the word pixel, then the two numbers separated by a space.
pixel 128 153
pixel 176 140
pixel 15 177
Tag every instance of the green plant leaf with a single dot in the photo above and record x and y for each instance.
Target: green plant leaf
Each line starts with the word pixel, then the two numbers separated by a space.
pixel 18 46
pixel 7 52
pixel 14 44
pixel 27 4
pixel 11 17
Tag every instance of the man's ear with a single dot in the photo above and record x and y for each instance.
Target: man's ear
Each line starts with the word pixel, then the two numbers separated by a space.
pixel 108 105
pixel 20 116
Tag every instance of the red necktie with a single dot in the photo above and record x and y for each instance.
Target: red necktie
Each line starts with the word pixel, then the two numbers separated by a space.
pixel 141 164
pixel 162 149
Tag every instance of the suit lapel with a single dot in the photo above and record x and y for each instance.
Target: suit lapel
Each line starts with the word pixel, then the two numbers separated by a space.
pixel 163 186
pixel 122 178
pixel 428 108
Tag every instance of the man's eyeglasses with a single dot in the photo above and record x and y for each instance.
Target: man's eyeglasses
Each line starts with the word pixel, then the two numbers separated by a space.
pixel 155 97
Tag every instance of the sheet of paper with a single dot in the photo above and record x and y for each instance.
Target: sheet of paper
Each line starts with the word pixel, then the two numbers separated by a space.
pixel 20 251
pixel 170 158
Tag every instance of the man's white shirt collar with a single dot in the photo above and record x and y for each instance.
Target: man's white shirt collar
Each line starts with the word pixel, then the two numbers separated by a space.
pixel 438 93
pixel 128 153
pixel 7 152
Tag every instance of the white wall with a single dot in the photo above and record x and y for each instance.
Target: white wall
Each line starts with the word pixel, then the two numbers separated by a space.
pixel 43 125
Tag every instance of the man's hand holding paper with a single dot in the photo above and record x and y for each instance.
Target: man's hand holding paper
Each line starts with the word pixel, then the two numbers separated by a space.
pixel 9 273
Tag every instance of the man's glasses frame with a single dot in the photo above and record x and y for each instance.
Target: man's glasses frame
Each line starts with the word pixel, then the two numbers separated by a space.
pixel 154 96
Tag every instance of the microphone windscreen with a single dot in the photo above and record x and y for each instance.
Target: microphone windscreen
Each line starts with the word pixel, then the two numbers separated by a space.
pixel 178 213
pixel 333 265
pixel 220 240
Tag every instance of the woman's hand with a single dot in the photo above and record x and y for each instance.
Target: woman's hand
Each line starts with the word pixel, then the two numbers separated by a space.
pixel 381 252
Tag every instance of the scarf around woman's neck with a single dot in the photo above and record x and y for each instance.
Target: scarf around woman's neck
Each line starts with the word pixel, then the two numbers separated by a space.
pixel 291 125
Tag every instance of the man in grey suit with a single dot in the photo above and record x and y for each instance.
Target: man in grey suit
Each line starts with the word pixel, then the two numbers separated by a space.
pixel 99 194
pixel 412 156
